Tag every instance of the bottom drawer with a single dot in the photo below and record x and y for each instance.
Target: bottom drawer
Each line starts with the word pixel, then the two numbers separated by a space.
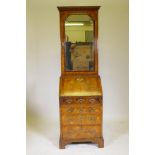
pixel 78 132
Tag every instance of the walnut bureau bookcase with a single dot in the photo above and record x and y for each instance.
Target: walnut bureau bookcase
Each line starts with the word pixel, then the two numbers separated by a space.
pixel 80 89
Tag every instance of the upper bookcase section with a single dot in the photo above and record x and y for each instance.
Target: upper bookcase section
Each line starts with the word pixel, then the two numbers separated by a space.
pixel 79 36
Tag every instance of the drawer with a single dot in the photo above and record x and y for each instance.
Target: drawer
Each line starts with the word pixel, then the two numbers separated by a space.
pixel 78 132
pixel 75 119
pixel 81 109
pixel 80 100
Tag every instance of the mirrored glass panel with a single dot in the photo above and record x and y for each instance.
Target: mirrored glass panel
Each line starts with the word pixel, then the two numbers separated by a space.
pixel 79 46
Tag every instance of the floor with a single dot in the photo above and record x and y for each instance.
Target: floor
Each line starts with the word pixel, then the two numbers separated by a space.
pixel 43 139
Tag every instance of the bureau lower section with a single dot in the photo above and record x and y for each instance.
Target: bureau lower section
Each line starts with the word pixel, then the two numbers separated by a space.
pixel 81 120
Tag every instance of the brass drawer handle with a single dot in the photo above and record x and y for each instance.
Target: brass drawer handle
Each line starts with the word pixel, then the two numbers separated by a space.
pixel 92 118
pixel 69 101
pixel 70 110
pixel 80 100
pixel 90 109
pixel 79 79
pixel 92 100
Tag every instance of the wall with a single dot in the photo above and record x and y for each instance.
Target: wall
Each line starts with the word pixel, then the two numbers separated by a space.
pixel 43 56
pixel 77 33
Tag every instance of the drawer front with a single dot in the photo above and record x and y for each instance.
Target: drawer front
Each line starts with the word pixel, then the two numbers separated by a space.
pixel 80 101
pixel 78 132
pixel 83 109
pixel 76 119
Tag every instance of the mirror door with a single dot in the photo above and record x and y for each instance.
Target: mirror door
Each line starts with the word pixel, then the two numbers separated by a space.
pixel 79 35
pixel 79 43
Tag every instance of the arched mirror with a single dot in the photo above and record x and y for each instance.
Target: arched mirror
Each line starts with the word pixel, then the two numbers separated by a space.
pixel 79 43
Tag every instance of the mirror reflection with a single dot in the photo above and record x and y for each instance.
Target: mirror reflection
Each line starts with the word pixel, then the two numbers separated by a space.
pixel 79 48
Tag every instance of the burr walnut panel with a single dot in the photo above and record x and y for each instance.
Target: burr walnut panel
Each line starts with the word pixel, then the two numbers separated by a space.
pixel 79 132
pixel 76 119
pixel 77 85
pixel 80 109
pixel 89 100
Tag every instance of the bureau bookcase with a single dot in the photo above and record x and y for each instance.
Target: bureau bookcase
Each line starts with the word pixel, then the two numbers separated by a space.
pixel 80 89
